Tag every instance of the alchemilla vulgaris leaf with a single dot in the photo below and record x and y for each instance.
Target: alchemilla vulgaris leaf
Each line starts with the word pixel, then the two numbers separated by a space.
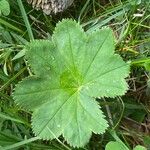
pixel 70 72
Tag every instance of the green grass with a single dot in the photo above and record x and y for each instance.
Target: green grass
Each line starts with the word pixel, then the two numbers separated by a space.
pixel 129 115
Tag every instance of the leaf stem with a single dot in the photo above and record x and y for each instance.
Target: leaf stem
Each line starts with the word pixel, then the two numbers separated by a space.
pixel 115 136
pixel 121 114
pixel 112 131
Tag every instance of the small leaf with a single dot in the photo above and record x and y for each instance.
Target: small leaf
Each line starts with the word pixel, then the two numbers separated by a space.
pixel 114 145
pixel 70 71
pixel 19 54
pixel 139 147
pixel 4 7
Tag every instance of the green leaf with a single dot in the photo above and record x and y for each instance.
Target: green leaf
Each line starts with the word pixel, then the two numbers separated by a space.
pixel 135 2
pixel 114 145
pixel 19 54
pixel 139 147
pixel 4 7
pixel 70 71
pixel 147 141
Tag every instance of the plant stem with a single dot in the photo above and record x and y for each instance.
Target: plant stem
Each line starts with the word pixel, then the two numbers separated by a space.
pixel 25 18
pixel 12 79
pixel 20 143
pixel 112 131
pixel 115 136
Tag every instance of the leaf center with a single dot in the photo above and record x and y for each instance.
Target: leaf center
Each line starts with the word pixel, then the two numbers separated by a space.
pixel 71 79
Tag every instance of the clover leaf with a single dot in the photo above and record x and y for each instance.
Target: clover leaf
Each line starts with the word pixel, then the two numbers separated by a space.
pixel 70 71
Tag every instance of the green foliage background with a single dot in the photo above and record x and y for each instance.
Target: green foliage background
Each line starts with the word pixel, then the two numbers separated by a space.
pixel 128 115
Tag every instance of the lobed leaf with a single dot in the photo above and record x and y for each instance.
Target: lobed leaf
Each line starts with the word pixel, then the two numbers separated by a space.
pixel 70 71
